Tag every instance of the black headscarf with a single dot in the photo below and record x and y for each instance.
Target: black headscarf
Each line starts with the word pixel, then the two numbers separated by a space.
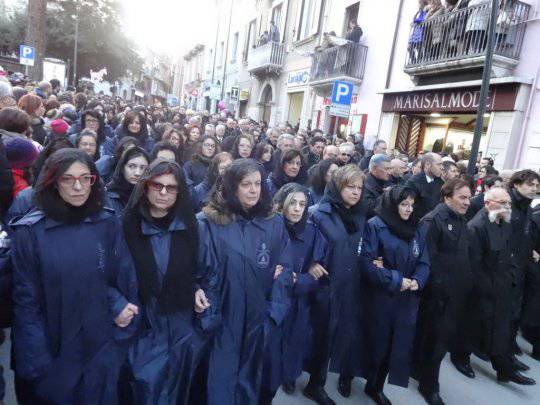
pixel 332 195
pixel 118 183
pixel 279 200
pixel 388 212
pixel 279 177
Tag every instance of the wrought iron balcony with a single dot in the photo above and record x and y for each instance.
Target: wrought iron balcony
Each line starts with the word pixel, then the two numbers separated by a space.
pixel 456 40
pixel 267 59
pixel 346 62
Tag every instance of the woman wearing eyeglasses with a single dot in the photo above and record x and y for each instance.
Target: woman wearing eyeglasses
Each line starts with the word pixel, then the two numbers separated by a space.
pixel 395 263
pixel 204 150
pixel 88 142
pixel 340 217
pixel 73 291
pixel 129 170
pixel 161 233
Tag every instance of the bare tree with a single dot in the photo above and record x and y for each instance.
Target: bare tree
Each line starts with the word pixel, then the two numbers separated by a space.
pixel 36 34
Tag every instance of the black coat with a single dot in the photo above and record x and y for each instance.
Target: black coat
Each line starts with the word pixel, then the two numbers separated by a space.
pixel 520 245
pixel 477 203
pixel 372 194
pixel 428 194
pixel 38 130
pixel 530 321
pixel 445 298
pixel 491 259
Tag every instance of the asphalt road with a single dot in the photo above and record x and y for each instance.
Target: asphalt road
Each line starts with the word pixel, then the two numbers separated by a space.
pixel 455 388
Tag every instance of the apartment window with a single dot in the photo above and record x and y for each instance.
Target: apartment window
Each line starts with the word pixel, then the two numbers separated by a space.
pixel 234 49
pixel 210 61
pixel 307 18
pixel 221 53
pixel 250 39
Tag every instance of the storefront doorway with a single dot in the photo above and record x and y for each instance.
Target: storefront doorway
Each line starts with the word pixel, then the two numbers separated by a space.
pixel 440 133
pixel 295 107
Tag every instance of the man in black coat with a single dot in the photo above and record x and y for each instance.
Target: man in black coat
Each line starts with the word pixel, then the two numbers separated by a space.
pixel 314 151
pixel 530 321
pixel 427 184
pixel 375 183
pixel 523 187
pixel 398 170
pixel 490 235
pixel 444 300
pixel 379 146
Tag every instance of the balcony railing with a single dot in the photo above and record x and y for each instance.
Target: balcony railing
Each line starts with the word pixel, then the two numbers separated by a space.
pixel 457 39
pixel 267 58
pixel 344 61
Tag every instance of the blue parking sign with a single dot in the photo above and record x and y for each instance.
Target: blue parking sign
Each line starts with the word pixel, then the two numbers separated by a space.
pixel 342 93
pixel 27 55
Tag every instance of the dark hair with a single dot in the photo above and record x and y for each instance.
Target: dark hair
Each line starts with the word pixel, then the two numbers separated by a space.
pixel 287 156
pixel 159 146
pixel 122 145
pixel 490 170
pixel 46 196
pixel 53 145
pixel 260 149
pixel 489 159
pixel 318 173
pixel 80 101
pixel 234 152
pixel 490 180
pixel 451 186
pixel 223 197
pixel 101 128
pixel 213 169
pixel 316 139
pixel 129 117
pixel 197 149
pixel 13 119
pixel 139 204
pixel 523 176
pixel 447 164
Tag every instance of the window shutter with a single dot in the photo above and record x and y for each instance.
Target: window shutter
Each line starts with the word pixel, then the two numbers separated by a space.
pixel 284 15
pixel 298 23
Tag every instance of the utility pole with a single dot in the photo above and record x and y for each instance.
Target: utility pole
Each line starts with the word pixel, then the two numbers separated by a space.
pixel 484 90
pixel 75 49
pixel 218 2
pixel 226 52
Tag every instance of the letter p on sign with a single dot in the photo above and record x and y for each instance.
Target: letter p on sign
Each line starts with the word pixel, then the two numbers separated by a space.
pixel 342 93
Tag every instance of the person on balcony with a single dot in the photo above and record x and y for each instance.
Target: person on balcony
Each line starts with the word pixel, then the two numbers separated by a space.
pixel 274 32
pixel 434 29
pixel 354 33
pixel 477 24
pixel 417 35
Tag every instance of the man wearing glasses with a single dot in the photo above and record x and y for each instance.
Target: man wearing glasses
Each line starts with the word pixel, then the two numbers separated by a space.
pixel 490 235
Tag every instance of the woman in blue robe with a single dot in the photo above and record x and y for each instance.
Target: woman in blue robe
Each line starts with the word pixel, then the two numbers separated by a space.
pixel 74 292
pixel 309 249
pixel 340 216
pixel 246 280
pixel 161 233
pixel 396 266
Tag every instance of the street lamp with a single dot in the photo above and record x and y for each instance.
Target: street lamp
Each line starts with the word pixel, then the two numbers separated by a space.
pixel 75 48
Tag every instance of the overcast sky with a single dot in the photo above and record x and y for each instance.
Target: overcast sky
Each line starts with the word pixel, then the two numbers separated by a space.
pixel 170 26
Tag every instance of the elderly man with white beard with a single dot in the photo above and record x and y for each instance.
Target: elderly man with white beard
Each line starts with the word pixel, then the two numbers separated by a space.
pixel 491 259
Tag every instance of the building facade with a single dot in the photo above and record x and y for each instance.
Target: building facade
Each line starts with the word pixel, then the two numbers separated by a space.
pixel 415 85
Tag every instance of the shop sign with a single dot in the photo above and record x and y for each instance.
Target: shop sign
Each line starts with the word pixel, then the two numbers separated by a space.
pixel 298 78
pixel 244 95
pixel 234 94
pixel 500 98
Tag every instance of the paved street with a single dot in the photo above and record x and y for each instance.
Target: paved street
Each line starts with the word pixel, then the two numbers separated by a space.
pixel 455 389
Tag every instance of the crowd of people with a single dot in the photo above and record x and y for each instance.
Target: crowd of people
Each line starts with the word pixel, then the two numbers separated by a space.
pixel 159 255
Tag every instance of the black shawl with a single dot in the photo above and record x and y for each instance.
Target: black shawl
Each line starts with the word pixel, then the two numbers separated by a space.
pixel 176 292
